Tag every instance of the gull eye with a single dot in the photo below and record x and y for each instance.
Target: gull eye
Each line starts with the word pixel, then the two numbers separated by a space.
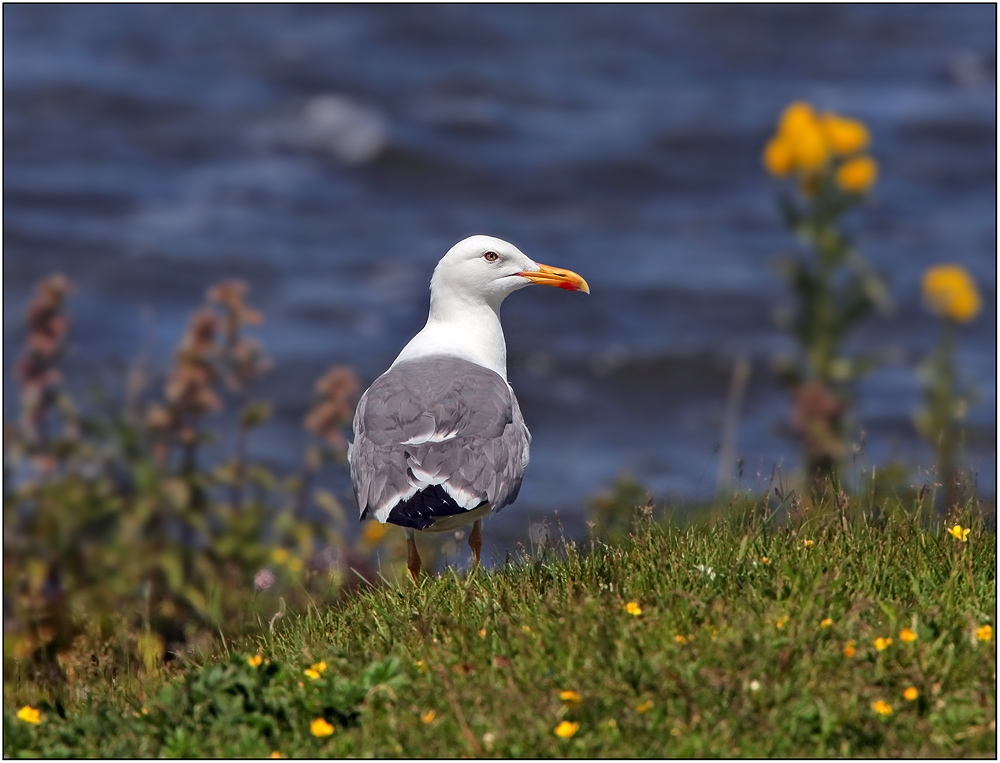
pixel 491 256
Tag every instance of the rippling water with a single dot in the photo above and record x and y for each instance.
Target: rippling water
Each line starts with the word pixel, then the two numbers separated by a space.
pixel 330 155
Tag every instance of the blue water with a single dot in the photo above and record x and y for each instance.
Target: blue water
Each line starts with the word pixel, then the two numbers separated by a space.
pixel 330 155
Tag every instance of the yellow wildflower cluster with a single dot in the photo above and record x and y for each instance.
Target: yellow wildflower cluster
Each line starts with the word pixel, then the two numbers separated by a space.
pixel 256 660
pixel 911 694
pixel 315 670
pixel 950 291
pixel 809 143
pixel 633 608
pixel 826 622
pixel 907 635
pixel 882 707
pixel 984 633
pixel 882 643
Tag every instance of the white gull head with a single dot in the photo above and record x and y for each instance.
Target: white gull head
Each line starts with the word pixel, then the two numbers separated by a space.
pixel 469 284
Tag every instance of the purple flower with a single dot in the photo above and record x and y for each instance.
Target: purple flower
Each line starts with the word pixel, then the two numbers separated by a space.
pixel 263 580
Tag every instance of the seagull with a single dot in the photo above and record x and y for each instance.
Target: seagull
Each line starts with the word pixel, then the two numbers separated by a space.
pixel 439 439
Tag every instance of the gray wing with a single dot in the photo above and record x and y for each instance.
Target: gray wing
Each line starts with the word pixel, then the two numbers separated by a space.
pixel 438 421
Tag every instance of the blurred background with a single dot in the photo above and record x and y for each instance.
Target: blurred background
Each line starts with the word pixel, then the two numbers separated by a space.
pixel 328 157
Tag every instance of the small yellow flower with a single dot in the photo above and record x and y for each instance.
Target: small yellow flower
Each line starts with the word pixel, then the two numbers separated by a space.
pixel 911 694
pixel 254 661
pixel 421 668
pixel 984 633
pixel 275 755
pixel 633 608
pixel 882 707
pixel 526 629
pixel 857 175
pixel 960 533
pixel 320 728
pixel 319 667
pixel 612 723
pixel 280 555
pixel 778 158
pixel 796 117
pixel 950 291
pixel 882 643
pixel 800 130
pixel 681 639
pixel 849 649
pixel 908 635
pixel 482 633
pixel 373 532
pixel 428 717
pixel 826 623
pixel 807 543
pixel 566 729
pixel 28 714
pixel 844 136
pixel 675 732
pixel 570 697
pixel 765 560
pixel 313 674
pixel 781 622
pixel 644 707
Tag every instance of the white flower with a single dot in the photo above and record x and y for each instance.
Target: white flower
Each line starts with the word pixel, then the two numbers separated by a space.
pixel 754 685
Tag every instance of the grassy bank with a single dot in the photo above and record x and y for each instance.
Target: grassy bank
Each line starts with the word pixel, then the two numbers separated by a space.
pixel 827 636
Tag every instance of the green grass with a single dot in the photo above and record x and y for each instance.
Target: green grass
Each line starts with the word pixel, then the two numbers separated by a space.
pixel 473 665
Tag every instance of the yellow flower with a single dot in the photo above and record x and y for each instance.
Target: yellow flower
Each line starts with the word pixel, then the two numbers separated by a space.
pixel 765 560
pixel 570 697
pixel 319 667
pixel 907 635
pixel 857 175
pixel 28 714
pixel 778 158
pixel 280 555
pixel 796 117
pixel 800 130
pixel 644 707
pixel 911 694
pixel 313 674
pixel 254 661
pixel 950 291
pixel 808 543
pixel 566 729
pixel 275 755
pixel 844 136
pixel 780 623
pixel 428 717
pixel 959 532
pixel 849 649
pixel 420 666
pixel 882 707
pixel 984 633
pixel 373 532
pixel 826 623
pixel 680 639
pixel 633 608
pixel 320 728
pixel 882 643
pixel 482 633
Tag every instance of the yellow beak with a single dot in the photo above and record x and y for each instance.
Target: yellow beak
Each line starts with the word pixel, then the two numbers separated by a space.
pixel 549 276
